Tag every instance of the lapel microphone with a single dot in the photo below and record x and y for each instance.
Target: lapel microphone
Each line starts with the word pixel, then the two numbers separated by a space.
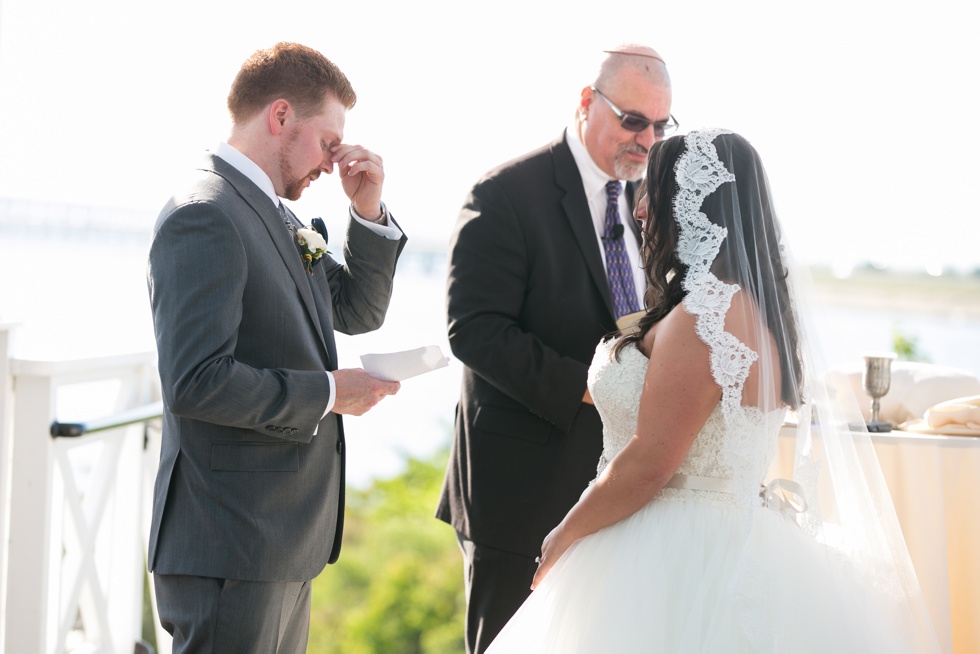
pixel 617 232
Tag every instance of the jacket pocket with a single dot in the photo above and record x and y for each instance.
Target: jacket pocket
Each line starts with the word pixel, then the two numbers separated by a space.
pixel 516 424
pixel 255 457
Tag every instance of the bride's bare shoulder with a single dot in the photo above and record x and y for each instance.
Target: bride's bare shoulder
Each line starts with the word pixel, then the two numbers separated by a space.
pixel 678 324
pixel 741 320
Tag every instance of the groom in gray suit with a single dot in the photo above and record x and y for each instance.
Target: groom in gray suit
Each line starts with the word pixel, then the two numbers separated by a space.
pixel 249 499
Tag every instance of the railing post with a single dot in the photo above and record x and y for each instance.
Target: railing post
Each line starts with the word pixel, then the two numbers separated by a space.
pixel 7 331
pixel 73 509
pixel 31 625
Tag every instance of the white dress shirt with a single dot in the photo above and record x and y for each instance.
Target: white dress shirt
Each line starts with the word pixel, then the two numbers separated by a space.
pixel 594 182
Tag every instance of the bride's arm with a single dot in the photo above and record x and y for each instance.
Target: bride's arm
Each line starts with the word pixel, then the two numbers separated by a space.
pixel 678 395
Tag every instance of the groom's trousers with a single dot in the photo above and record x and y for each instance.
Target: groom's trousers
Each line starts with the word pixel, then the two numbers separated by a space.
pixel 204 614
pixel 497 583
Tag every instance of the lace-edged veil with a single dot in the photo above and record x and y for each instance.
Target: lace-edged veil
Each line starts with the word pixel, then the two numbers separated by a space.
pixel 724 258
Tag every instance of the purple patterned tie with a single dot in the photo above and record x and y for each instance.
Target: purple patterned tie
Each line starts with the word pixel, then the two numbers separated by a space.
pixel 618 267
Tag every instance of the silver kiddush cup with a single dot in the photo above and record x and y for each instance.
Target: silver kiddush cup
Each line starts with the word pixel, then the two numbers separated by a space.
pixel 877 380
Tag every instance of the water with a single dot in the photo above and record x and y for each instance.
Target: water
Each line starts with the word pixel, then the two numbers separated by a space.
pixel 88 298
pixel 949 341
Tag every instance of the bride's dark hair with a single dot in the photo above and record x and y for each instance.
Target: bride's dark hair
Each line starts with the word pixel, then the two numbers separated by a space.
pixel 750 256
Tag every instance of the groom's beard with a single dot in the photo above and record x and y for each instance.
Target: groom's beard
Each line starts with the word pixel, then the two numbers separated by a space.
pixel 294 187
pixel 293 183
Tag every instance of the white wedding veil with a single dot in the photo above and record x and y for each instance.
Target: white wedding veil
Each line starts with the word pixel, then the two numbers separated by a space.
pixel 712 241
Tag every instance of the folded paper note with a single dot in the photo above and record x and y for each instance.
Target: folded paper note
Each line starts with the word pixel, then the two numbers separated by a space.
pixel 397 366
pixel 627 323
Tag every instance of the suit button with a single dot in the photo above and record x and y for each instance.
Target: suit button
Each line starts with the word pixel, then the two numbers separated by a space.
pixel 340 447
pixel 270 427
pixel 279 430
pixel 293 432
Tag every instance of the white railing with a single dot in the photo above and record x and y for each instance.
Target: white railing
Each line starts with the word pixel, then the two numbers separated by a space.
pixel 74 511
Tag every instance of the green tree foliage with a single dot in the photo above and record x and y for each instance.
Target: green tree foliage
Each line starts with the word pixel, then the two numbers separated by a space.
pixel 398 586
pixel 907 347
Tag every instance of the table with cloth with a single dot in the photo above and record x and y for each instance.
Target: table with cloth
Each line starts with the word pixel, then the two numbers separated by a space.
pixel 934 481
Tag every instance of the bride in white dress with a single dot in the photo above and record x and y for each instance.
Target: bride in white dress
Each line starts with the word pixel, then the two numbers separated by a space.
pixel 705 531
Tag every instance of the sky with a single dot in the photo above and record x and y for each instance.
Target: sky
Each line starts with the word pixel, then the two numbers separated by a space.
pixel 862 110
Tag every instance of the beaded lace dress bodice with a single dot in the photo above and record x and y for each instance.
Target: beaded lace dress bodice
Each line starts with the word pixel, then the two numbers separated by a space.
pixel 740 450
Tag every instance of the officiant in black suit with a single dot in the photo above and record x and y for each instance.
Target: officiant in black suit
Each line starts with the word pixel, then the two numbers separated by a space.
pixel 543 261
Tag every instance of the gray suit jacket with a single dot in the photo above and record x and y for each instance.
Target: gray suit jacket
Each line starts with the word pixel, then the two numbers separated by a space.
pixel 245 490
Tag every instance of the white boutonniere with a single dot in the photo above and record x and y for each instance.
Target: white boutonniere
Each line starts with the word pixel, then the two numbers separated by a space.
pixel 312 246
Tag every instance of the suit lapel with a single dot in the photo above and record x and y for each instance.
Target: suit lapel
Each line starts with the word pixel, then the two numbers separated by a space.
pixel 579 217
pixel 307 289
pixel 280 236
pixel 321 290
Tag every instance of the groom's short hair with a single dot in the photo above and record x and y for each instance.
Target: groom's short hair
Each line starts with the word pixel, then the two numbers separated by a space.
pixel 290 71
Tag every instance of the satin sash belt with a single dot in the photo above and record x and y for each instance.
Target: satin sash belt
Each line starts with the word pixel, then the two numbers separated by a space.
pixel 789 503
pixel 692 482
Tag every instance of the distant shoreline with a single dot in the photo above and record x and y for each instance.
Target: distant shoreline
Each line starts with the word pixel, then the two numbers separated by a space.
pixel 953 296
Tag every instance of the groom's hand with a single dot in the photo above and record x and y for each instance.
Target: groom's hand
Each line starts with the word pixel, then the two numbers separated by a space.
pixel 357 391
pixel 362 175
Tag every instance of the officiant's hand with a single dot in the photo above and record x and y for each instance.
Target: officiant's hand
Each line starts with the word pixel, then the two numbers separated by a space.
pixel 552 548
pixel 357 391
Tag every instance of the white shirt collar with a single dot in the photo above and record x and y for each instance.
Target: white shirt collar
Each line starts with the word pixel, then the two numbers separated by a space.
pixel 249 168
pixel 593 179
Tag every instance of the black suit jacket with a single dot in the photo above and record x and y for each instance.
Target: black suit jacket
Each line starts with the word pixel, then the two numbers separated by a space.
pixel 528 301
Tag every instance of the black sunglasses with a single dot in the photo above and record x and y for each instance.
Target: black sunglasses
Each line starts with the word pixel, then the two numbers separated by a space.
pixel 638 123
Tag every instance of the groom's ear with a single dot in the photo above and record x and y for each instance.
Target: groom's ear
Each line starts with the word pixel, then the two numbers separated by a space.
pixel 277 114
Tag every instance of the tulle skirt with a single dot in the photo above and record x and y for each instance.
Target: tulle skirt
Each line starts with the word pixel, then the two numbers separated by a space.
pixel 686 577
